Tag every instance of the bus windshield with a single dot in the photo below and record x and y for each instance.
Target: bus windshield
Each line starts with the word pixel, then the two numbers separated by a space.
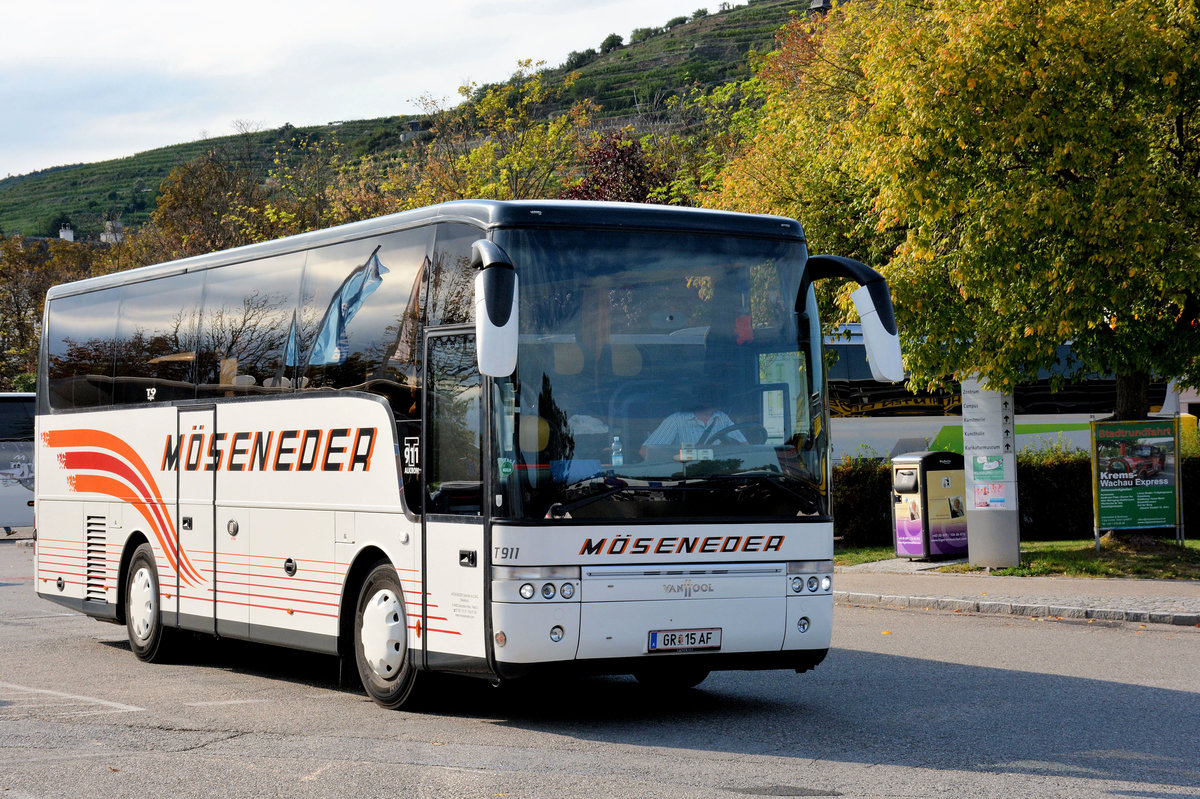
pixel 660 375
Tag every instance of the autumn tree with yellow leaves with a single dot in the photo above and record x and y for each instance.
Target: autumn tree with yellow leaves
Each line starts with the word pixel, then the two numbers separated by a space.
pixel 1025 173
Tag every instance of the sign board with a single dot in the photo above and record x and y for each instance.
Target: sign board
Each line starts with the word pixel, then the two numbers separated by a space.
pixel 1135 474
pixel 989 444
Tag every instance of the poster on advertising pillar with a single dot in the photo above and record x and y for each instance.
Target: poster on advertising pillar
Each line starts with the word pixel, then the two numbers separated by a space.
pixel 1135 474
pixel 989 445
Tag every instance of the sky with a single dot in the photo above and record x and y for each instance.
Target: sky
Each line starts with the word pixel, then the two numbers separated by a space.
pixel 87 81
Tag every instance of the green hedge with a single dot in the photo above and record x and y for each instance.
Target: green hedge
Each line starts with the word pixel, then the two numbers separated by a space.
pixel 862 510
pixel 1054 490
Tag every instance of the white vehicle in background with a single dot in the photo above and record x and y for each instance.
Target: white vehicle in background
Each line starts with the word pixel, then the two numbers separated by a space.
pixel 16 461
pixel 414 442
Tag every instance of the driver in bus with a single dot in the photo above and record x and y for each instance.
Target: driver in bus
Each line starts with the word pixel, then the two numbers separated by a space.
pixel 700 424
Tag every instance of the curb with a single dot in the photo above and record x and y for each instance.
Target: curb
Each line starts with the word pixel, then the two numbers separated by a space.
pixel 1016 608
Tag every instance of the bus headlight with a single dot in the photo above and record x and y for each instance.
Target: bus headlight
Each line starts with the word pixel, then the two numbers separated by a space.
pixel 556 633
pixel 567 591
pixel 826 583
pixel 797 585
pixel 813 582
pixel 548 591
pixel 527 591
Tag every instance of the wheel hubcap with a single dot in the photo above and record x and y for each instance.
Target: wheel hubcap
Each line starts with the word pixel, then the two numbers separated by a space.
pixel 143 603
pixel 384 634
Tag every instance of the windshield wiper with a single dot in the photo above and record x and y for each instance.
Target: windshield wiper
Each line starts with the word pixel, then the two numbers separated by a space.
pixel 559 511
pixel 781 482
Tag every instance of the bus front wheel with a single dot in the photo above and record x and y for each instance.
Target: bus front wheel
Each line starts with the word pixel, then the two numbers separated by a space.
pixel 148 638
pixel 381 639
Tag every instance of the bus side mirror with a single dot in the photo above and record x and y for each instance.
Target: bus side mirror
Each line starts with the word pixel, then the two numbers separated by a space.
pixel 873 302
pixel 495 309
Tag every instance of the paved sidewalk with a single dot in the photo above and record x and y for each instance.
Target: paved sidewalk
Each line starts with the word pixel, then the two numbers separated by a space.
pixel 917 584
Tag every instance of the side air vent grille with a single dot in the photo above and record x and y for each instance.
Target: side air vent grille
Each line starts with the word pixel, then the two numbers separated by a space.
pixel 97 559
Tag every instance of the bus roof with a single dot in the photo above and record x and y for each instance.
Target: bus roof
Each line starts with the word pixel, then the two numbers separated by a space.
pixel 488 214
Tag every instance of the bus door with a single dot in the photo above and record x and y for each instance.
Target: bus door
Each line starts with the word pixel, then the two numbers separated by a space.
pixel 194 520
pixel 455 555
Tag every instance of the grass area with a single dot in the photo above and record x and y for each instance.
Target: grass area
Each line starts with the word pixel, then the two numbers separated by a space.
pixel 1161 560
pixel 858 555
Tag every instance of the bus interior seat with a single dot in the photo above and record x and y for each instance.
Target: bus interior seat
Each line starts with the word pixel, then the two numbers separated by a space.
pixel 568 358
pixel 626 360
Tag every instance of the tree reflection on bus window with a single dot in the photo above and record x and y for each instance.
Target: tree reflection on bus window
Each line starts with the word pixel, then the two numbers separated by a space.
pixel 156 340
pixel 82 349
pixel 246 326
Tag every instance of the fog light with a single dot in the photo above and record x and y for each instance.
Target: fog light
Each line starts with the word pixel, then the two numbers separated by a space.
pixel 527 591
pixel 501 639
pixel 826 583
pixel 567 591
pixel 797 584
pixel 548 591
pixel 556 633
pixel 803 624
pixel 813 582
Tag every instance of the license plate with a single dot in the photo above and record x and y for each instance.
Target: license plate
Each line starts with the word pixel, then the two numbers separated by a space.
pixel 681 640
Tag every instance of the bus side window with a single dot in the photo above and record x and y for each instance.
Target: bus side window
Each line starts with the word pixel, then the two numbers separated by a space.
pixel 247 328
pixel 156 340
pixel 81 342
pixel 452 281
pixel 455 397
pixel 360 303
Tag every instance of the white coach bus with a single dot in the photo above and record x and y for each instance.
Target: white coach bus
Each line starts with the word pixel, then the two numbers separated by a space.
pixel 482 438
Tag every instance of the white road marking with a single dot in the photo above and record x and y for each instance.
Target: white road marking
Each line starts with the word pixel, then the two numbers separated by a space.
pixel 114 706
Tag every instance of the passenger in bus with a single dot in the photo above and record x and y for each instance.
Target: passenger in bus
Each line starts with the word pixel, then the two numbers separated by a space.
pixel 700 424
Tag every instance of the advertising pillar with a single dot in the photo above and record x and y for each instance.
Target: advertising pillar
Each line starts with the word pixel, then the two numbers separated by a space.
pixel 989 447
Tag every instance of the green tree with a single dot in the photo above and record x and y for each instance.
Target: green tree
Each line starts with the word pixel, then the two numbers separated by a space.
pixel 796 155
pixel 195 212
pixel 301 191
pixel 1044 161
pixel 700 132
pixel 55 223
pixel 1025 174
pixel 500 144
pixel 643 34
pixel 28 268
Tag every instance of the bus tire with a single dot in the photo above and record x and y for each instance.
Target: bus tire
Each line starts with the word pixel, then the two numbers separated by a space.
pixel 381 639
pixel 149 639
pixel 673 679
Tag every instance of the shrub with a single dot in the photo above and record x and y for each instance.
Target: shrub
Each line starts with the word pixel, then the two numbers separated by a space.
pixel 1054 493
pixel 862 507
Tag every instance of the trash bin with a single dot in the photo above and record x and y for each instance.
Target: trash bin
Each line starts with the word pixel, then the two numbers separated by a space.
pixel 929 505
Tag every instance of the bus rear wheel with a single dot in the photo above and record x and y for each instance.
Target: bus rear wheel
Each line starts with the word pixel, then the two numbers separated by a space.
pixel 148 638
pixel 381 639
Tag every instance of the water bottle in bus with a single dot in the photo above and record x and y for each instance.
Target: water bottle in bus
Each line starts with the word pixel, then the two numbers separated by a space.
pixel 618 452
